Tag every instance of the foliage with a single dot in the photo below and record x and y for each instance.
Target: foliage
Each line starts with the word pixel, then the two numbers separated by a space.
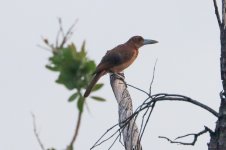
pixel 75 72
pixel 74 67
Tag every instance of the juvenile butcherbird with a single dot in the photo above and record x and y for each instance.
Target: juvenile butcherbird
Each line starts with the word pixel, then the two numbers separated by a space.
pixel 118 59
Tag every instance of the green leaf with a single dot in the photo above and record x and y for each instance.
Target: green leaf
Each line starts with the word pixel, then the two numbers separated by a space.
pixel 97 87
pixel 73 97
pixel 52 68
pixel 66 78
pixel 89 67
pixel 83 48
pixel 73 47
pixel 97 98
pixel 80 103
pixel 82 52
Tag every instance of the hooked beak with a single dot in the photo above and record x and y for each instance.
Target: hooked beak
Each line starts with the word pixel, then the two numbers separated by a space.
pixel 147 41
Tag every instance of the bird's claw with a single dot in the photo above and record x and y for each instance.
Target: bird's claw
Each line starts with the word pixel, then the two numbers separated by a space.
pixel 121 77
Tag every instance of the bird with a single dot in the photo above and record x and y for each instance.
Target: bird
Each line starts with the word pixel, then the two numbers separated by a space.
pixel 118 59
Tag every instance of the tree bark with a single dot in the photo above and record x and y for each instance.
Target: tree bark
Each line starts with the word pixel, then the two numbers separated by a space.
pixel 218 138
pixel 130 132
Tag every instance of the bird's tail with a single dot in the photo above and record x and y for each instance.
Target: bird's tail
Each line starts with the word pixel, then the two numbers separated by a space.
pixel 93 82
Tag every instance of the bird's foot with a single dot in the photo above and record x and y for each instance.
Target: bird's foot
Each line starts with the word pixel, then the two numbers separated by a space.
pixel 120 76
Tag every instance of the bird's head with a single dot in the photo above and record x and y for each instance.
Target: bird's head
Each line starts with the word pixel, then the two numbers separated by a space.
pixel 139 41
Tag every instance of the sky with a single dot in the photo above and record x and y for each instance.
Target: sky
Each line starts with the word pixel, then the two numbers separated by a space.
pixel 188 63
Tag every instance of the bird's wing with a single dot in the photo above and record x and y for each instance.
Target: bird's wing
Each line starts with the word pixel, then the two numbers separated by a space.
pixel 115 57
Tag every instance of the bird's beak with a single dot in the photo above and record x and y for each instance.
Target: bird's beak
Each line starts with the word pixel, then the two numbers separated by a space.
pixel 147 41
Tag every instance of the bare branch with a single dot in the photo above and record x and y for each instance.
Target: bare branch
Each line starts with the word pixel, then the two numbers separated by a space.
pixel 217 14
pixel 61 36
pixel 196 135
pixel 142 131
pixel 60 32
pixel 137 89
pixel 36 132
pixel 125 110
pixel 99 142
pixel 114 141
pixel 68 34
pixel 223 16
pixel 150 103
pixel 45 48
pixel 153 77
pixel 177 97
pixel 148 106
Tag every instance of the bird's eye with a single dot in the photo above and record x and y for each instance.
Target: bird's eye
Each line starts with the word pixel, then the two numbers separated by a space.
pixel 139 39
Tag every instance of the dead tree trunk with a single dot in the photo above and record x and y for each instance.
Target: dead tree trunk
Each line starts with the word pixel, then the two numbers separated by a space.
pixel 218 138
pixel 129 131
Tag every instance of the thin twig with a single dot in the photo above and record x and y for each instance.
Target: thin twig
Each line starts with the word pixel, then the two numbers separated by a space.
pixel 196 135
pixel 137 88
pixel 76 130
pixel 176 97
pixel 68 34
pixel 152 108
pixel 114 141
pixel 142 122
pixel 153 77
pixel 45 48
pixel 108 138
pixel 60 32
pixel 99 142
pixel 217 14
pixel 120 140
pixel 36 132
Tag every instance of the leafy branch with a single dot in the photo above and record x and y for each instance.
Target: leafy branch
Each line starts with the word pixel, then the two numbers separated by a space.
pixel 75 70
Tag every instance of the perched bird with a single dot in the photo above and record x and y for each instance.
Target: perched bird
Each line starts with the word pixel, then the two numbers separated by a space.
pixel 118 59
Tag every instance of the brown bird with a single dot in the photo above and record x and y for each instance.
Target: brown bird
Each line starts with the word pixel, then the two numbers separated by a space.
pixel 118 59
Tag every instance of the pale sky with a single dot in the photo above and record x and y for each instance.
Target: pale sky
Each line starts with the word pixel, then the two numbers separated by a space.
pixel 188 63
